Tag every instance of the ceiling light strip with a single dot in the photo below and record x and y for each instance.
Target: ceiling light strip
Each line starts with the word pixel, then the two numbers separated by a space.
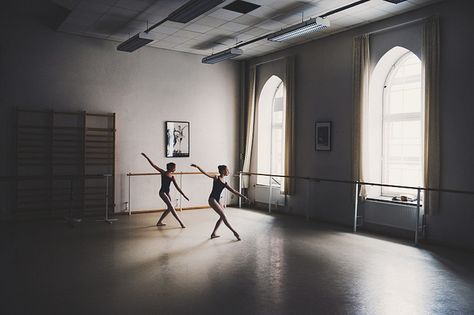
pixel 223 55
pixel 303 28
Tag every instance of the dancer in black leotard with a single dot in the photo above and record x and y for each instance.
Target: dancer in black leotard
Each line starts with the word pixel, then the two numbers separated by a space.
pixel 166 179
pixel 217 187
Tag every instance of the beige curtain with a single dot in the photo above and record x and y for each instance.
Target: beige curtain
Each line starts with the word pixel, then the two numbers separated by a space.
pixel 289 184
pixel 430 60
pixel 251 103
pixel 361 59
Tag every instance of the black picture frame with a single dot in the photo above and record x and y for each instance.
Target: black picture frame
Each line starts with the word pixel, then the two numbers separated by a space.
pixel 323 136
pixel 177 135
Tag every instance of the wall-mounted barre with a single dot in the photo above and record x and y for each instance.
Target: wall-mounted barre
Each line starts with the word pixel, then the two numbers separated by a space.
pixel 180 181
pixel 357 185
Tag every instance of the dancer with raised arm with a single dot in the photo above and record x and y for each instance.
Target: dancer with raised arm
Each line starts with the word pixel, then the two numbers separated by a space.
pixel 217 187
pixel 166 179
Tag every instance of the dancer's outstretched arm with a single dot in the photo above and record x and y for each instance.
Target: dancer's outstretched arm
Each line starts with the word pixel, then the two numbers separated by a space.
pixel 179 189
pixel 235 192
pixel 202 171
pixel 162 171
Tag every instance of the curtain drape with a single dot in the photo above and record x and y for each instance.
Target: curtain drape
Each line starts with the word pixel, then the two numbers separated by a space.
pixel 251 103
pixel 289 167
pixel 361 60
pixel 431 63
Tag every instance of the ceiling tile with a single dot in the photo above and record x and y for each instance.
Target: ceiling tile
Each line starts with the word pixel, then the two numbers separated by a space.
pixel 165 30
pixel 333 4
pixel 186 34
pixel 80 18
pixel 372 14
pixel 72 28
pixel 256 31
pixel 174 24
pixel 235 27
pixel 248 20
pixel 92 7
pixel 220 31
pixel 211 21
pixel 271 25
pixel 108 24
pixel 67 4
pixel 347 20
pixel 226 14
pixel 122 13
pixel 106 2
pixel 195 27
pixel 163 44
pixel 158 35
pixel 135 5
pixel 263 12
pixel 176 40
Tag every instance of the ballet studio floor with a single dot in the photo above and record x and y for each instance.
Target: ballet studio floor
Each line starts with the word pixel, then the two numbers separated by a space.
pixel 283 265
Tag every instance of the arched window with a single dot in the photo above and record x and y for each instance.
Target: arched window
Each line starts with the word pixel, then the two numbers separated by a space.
pixel 270 131
pixel 396 122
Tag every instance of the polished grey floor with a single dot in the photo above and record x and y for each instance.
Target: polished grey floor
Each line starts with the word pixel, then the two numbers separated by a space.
pixel 283 265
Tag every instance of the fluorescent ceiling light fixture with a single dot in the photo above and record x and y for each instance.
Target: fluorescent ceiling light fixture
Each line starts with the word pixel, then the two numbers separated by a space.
pixel 303 28
pixel 135 42
pixel 192 9
pixel 223 55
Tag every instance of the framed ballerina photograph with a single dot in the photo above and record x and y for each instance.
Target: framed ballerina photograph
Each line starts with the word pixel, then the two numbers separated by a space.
pixel 177 138
pixel 323 136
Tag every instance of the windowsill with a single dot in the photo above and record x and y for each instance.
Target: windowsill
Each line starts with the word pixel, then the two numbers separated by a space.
pixel 389 200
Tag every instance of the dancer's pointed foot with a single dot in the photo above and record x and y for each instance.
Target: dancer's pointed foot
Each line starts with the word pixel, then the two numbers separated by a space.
pixel 183 226
pixel 237 236
pixel 160 224
pixel 215 236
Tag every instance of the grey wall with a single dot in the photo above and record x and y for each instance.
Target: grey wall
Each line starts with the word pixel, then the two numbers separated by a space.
pixel 324 92
pixel 44 69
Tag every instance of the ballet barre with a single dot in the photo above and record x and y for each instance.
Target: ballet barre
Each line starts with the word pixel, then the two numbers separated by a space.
pixel 180 182
pixel 357 185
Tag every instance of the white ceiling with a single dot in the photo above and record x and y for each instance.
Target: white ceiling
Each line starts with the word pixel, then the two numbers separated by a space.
pixel 218 29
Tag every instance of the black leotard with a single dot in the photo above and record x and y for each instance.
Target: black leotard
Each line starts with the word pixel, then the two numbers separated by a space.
pixel 165 183
pixel 217 187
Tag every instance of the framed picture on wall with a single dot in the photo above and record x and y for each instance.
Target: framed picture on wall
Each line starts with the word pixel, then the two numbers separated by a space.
pixel 177 138
pixel 323 136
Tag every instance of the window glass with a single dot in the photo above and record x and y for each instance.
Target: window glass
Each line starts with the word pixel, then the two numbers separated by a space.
pixel 402 121
pixel 271 117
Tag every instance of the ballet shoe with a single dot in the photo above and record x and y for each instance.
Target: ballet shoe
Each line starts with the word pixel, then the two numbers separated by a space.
pixel 237 236
pixel 215 236
pixel 160 224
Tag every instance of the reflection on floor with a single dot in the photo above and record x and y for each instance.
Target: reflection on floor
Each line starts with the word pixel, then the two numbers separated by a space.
pixel 283 265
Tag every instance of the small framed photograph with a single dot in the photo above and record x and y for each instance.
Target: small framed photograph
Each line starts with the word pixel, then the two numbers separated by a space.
pixel 323 136
pixel 177 138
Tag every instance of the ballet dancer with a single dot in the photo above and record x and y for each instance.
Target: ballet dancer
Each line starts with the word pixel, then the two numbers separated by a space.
pixel 217 187
pixel 166 179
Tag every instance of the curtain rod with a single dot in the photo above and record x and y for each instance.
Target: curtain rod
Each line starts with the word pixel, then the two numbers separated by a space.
pixel 388 28
pixel 267 61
